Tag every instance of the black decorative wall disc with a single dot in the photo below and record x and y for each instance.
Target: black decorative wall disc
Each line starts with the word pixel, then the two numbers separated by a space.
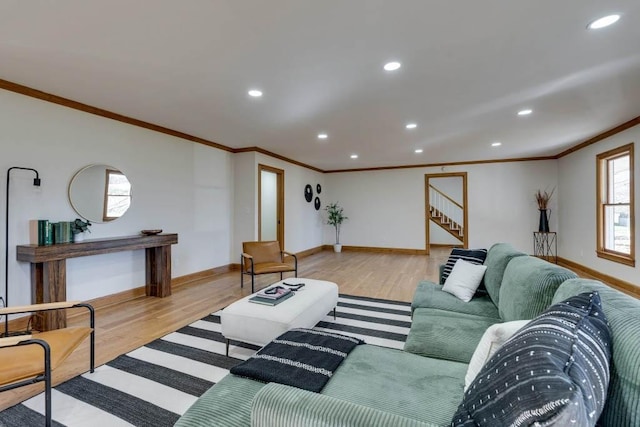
pixel 317 203
pixel 318 189
pixel 308 193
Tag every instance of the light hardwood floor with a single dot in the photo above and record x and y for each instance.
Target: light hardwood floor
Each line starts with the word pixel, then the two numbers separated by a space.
pixel 123 327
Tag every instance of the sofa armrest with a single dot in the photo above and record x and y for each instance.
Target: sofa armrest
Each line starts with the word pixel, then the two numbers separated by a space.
pixel 277 405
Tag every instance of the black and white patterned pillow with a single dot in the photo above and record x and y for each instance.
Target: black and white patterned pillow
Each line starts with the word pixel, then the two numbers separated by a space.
pixel 474 256
pixel 554 371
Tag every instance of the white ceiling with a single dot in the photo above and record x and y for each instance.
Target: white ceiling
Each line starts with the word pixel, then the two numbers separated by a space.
pixel 467 68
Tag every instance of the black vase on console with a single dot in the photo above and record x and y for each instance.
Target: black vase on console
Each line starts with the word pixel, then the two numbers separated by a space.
pixel 543 226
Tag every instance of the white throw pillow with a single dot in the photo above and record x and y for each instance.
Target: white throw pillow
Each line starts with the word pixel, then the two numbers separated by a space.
pixel 491 341
pixel 464 279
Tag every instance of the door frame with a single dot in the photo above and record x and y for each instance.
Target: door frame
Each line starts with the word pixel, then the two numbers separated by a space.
pixel 279 203
pixel 427 177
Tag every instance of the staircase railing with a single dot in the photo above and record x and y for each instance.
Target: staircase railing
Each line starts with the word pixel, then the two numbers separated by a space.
pixel 447 210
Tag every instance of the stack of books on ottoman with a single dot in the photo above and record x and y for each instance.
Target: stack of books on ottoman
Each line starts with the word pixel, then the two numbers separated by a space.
pixel 272 296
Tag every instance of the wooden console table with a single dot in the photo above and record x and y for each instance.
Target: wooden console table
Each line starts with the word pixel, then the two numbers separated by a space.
pixel 49 271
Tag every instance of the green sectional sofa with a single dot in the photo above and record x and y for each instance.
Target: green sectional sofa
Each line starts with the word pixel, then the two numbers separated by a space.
pixel 518 287
pixel 378 386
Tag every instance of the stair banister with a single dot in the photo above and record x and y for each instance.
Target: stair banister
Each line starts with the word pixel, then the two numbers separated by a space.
pixel 447 213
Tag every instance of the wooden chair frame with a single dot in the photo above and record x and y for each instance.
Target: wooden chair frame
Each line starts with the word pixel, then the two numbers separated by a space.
pixel 22 340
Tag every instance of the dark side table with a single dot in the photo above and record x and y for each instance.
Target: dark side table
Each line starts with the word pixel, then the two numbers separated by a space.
pixel 545 245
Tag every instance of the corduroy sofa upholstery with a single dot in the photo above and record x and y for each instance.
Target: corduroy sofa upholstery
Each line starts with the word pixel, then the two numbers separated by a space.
pixel 377 386
pixel 430 295
pixel 519 287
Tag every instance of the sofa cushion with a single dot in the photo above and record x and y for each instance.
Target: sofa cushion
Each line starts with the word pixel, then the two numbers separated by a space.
pixel 474 256
pixel 492 339
pixel 400 383
pixel 464 280
pixel 385 379
pixel 226 404
pixel 528 287
pixel 278 405
pixel 498 257
pixel 302 358
pixel 445 334
pixel 554 371
pixel 623 313
pixel 430 295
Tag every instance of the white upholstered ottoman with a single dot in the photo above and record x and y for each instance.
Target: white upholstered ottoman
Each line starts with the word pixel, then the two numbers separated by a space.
pixel 259 324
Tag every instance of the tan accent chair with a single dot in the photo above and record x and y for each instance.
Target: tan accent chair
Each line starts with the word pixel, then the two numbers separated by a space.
pixel 265 258
pixel 28 359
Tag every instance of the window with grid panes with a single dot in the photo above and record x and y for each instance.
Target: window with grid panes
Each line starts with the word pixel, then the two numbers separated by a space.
pixel 615 214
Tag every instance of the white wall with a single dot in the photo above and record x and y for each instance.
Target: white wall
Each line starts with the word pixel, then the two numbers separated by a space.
pixel 577 176
pixel 303 224
pixel 438 236
pixel 387 208
pixel 245 207
pixel 178 186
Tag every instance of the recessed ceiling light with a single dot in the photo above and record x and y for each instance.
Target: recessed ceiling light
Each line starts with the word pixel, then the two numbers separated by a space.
pixel 496 144
pixel 411 126
pixel 392 66
pixel 323 136
pixel 603 22
pixel 418 150
pixel 255 93
pixel 354 156
pixel 525 112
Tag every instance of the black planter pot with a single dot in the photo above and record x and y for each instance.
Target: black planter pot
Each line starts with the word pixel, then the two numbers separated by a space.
pixel 543 226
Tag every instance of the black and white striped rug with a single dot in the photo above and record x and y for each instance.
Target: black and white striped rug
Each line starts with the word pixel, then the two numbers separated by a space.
pixel 155 384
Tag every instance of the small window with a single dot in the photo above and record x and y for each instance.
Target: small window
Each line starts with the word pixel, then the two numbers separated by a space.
pixel 117 195
pixel 616 221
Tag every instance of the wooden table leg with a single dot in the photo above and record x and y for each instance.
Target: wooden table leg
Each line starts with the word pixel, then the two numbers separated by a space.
pixel 158 271
pixel 49 284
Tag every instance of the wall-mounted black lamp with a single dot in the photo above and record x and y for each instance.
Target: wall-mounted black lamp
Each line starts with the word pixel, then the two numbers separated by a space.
pixel 36 182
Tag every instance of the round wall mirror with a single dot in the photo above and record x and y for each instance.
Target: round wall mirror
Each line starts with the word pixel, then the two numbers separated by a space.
pixel 100 193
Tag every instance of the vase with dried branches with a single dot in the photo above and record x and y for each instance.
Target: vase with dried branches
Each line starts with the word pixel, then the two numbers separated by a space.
pixel 543 198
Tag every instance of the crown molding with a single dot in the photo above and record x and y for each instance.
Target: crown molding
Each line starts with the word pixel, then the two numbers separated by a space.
pixel 55 99
pixel 65 102
pixel 430 165
pixel 620 128
pixel 277 156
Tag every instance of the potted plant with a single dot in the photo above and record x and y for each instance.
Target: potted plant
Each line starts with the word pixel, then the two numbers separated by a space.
pixel 543 198
pixel 335 217
pixel 78 227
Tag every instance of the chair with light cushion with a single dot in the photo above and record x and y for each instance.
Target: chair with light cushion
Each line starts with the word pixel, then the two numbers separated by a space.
pixel 28 359
pixel 265 258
